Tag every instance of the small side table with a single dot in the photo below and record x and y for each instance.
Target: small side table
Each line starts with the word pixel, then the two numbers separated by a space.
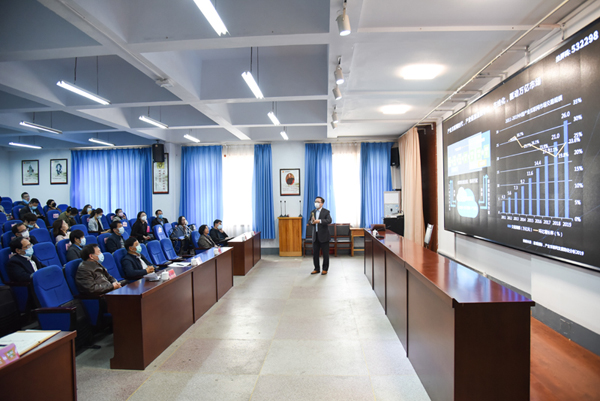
pixel 356 232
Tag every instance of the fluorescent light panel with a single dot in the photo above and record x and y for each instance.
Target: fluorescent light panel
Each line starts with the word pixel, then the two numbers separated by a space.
pixel 421 71
pixel 154 122
pixel 252 84
pixel 191 138
pixel 24 145
pixel 82 92
pixel 101 142
pixel 394 109
pixel 212 16
pixel 40 127
pixel 273 118
pixel 284 135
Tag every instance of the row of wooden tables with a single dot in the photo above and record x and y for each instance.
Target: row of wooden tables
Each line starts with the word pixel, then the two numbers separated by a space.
pixel 467 337
pixel 246 252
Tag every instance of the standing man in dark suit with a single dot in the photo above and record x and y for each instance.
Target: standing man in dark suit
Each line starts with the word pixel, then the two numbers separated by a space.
pixel 321 219
pixel 23 264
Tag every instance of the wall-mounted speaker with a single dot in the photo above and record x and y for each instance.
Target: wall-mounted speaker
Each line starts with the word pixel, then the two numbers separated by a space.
pixel 158 152
pixel 395 157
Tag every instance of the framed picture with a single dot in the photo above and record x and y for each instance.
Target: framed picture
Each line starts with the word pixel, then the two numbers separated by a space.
pixel 289 181
pixel 59 169
pixel 160 176
pixel 30 172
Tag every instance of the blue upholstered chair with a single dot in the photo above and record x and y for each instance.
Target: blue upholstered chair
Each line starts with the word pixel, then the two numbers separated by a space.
pixel 46 253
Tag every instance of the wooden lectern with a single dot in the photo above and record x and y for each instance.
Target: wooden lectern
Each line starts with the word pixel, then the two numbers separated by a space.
pixel 290 236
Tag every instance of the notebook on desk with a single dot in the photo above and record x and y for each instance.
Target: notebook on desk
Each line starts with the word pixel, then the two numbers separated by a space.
pixel 28 339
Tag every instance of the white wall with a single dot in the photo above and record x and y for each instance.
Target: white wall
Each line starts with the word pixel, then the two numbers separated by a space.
pixel 169 203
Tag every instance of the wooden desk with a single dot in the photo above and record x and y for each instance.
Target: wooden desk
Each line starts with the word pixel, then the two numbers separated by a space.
pixel 246 253
pixel 47 372
pixel 356 232
pixel 467 337
pixel 148 316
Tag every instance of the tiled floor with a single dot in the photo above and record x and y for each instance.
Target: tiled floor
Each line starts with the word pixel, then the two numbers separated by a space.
pixel 278 334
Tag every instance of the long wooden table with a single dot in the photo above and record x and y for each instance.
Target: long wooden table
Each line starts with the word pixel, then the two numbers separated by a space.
pixel 246 253
pixel 148 316
pixel 47 372
pixel 467 337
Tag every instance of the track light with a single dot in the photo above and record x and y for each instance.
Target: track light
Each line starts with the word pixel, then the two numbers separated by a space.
pixel 333 125
pixel 40 127
pixel 154 122
pixel 191 138
pixel 82 92
pixel 284 135
pixel 338 74
pixel 344 22
pixel 273 118
pixel 252 84
pixel 334 117
pixel 212 16
pixel 337 94
pixel 24 145
pixel 101 142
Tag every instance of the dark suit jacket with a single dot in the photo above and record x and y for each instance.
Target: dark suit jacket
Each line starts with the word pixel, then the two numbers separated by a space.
pixel 20 269
pixel 27 209
pixel 139 230
pixel 113 242
pixel 217 236
pixel 205 242
pixel 162 221
pixel 74 252
pixel 93 279
pixel 132 266
pixel 323 232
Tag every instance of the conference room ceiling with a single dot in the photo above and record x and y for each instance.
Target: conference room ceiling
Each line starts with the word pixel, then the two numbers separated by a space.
pixel 119 48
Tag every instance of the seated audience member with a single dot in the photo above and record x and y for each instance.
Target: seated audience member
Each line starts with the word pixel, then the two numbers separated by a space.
pixel 135 265
pixel 115 241
pixel 217 234
pixel 24 199
pixel 95 223
pixel 23 264
pixel 21 231
pixel 60 230
pixel 160 219
pixel 32 208
pixel 140 230
pixel 51 205
pixel 92 278
pixel 77 238
pixel 68 216
pixel 87 209
pixel 183 232
pixel 1 207
pixel 119 215
pixel 30 221
pixel 205 242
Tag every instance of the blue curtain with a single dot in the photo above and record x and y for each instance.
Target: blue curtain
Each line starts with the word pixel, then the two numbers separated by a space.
pixel 262 192
pixel 375 179
pixel 201 184
pixel 318 180
pixel 112 178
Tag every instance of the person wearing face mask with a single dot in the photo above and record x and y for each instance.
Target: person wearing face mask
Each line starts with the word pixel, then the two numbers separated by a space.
pixel 95 223
pixel 87 209
pixel 51 204
pixel 140 230
pixel 77 238
pixel 91 277
pixel 119 215
pixel 182 232
pixel 32 208
pixel 160 218
pixel 320 218
pixel 205 242
pixel 30 221
pixel 23 264
pixel 217 234
pixel 115 241
pixel 24 199
pixel 60 230
pixel 21 231
pixel 135 265
pixel 68 216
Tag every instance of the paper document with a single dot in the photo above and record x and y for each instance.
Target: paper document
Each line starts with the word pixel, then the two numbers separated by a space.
pixel 179 264
pixel 27 340
pixel 152 277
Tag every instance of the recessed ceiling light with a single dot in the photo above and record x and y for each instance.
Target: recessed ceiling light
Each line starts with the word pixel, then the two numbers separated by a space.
pixel 394 109
pixel 421 71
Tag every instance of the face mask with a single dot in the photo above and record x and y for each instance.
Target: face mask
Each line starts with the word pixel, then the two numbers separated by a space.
pixel 33 207
pixel 54 205
pixel 29 252
pixel 100 258
pixel 25 200
pixel 25 234
pixel 160 216
pixel 99 217
pixel 138 249
pixel 120 214
pixel 30 225
pixel 317 205
pixel 89 210
pixel 83 241
pixel 121 230
pixel 220 226
pixel 144 218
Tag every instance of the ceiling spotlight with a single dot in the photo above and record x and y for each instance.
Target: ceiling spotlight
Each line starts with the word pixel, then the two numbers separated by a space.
pixel 338 74
pixel 212 16
pixel 394 109
pixel 82 92
pixel 154 122
pixel 164 83
pixel 334 117
pixel 40 127
pixel 273 118
pixel 252 84
pixel 344 22
pixel 337 94
pixel 333 125
pixel 191 138
pixel 24 145
pixel 421 71
pixel 284 135
pixel 101 142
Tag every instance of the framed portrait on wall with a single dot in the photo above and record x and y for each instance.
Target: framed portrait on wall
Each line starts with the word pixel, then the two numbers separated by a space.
pixel 59 170
pixel 289 182
pixel 160 176
pixel 30 172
